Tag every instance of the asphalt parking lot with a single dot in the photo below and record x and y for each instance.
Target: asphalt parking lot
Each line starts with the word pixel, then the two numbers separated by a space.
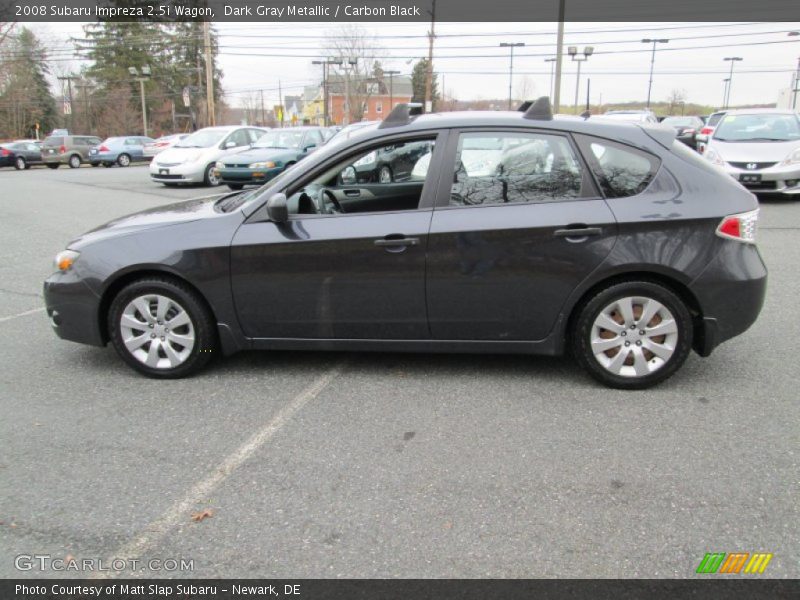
pixel 383 465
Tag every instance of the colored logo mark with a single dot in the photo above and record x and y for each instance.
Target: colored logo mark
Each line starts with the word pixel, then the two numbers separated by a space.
pixel 732 563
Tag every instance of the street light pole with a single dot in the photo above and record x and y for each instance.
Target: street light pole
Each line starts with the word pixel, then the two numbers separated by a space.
pixel 733 60
pixel 559 57
pixel 652 63
pixel 145 76
pixel 391 75
pixel 511 46
pixel 325 69
pixel 724 91
pixel 573 52
pixel 552 72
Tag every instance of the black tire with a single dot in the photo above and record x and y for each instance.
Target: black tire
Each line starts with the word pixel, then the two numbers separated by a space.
pixel 209 178
pixel 235 186
pixel 385 172
pixel 588 312
pixel 95 164
pixel 53 165
pixel 124 160
pixel 202 321
pixel 20 164
pixel 108 164
pixel 169 184
pixel 74 161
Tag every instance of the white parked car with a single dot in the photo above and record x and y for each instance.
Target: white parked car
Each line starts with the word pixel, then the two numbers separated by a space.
pixel 760 148
pixel 632 116
pixel 192 159
pixel 157 146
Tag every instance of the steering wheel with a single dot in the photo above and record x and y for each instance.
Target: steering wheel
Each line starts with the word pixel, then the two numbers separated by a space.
pixel 327 203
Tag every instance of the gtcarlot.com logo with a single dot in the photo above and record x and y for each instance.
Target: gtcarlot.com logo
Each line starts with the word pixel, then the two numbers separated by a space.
pixel 732 563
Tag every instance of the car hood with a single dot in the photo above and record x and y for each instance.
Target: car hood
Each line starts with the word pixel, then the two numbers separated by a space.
pixel 754 151
pixel 261 154
pixel 181 155
pixel 160 216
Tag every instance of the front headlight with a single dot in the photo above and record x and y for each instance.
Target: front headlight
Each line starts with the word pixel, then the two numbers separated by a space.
pixel 366 160
pixel 219 165
pixel 64 260
pixel 713 157
pixel 792 159
pixel 262 165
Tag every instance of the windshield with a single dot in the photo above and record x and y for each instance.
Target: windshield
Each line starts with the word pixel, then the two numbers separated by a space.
pixel 280 139
pixel 763 127
pixel 205 138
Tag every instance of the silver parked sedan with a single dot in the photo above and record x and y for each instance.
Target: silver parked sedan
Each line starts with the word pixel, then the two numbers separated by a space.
pixel 760 148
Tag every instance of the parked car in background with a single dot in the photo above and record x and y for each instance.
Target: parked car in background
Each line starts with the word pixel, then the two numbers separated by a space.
pixel 760 148
pixel 20 155
pixel 686 128
pixel 72 150
pixel 160 144
pixel 194 158
pixel 274 152
pixel 571 243
pixel 708 129
pixel 59 132
pixel 390 163
pixel 119 150
pixel 632 116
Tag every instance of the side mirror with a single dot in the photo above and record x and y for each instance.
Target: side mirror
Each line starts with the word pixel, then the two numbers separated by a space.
pixel 230 144
pixel 310 148
pixel 348 175
pixel 278 209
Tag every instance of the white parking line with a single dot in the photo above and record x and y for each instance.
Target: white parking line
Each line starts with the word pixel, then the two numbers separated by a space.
pixel 22 314
pixel 180 510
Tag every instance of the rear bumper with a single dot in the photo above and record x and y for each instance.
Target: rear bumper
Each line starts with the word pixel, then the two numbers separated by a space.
pixel 73 309
pixel 731 291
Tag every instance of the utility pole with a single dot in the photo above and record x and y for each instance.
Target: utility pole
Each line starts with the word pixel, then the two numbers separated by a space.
pixel 391 75
pixel 559 57
pixel 429 74
pixel 796 86
pixel 82 87
pixel 733 60
pixel 212 118
pixel 325 72
pixel 263 117
pixel 511 46
pixel 144 77
pixel 588 88
pixel 280 104
pixel 652 63
pixel 552 72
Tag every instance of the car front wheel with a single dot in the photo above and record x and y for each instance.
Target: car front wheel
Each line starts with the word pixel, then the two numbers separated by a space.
pixel 123 160
pixel 161 328
pixel 210 178
pixel 20 164
pixel 632 335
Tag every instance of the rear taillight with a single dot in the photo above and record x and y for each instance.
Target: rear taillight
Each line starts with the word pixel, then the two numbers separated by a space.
pixel 706 130
pixel 62 149
pixel 4 152
pixel 103 149
pixel 740 227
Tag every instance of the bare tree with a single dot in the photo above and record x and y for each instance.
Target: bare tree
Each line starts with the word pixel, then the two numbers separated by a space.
pixel 677 97
pixel 526 88
pixel 356 78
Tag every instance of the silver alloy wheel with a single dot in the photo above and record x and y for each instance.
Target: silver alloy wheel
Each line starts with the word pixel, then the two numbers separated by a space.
pixel 211 176
pixel 74 162
pixel 634 336
pixel 124 160
pixel 157 331
pixel 20 163
pixel 385 175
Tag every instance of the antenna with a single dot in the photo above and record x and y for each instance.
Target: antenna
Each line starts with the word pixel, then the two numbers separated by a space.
pixel 402 114
pixel 539 110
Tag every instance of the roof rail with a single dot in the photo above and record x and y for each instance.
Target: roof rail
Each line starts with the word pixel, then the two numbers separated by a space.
pixel 402 114
pixel 539 110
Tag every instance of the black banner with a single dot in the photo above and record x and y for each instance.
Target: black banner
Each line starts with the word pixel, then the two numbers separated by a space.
pixel 406 589
pixel 295 11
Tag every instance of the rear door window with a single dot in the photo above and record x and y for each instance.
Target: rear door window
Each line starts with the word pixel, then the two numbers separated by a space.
pixel 620 170
pixel 54 141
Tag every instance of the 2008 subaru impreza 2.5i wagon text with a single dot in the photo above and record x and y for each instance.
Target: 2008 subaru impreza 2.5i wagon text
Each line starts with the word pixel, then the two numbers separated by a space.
pixel 514 232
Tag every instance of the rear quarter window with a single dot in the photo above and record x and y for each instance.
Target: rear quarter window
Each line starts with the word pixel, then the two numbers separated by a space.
pixel 620 170
pixel 53 141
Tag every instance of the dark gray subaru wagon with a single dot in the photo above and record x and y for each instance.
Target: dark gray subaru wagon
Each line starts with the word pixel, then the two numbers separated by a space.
pixel 512 232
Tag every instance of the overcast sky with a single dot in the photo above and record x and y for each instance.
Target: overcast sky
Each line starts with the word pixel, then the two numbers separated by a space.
pixel 257 56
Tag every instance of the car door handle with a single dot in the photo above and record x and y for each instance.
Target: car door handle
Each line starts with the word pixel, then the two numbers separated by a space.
pixel 577 232
pixel 352 193
pixel 397 241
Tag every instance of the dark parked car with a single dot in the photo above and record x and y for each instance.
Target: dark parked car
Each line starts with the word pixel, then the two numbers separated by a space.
pixel 579 236
pixel 271 154
pixel 20 155
pixel 686 129
pixel 390 163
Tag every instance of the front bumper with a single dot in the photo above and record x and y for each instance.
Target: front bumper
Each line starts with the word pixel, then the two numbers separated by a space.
pixel 183 173
pixel 777 179
pixel 730 291
pixel 103 157
pixel 73 309
pixel 247 176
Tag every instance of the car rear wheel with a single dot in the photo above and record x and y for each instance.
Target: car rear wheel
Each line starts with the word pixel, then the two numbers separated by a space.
pixel 123 160
pixel 20 164
pixel 632 335
pixel 210 178
pixel 161 328
pixel 95 164
pixel 53 165
pixel 74 161
pixel 385 175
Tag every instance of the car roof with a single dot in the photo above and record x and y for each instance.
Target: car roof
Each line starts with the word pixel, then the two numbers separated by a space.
pixel 762 111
